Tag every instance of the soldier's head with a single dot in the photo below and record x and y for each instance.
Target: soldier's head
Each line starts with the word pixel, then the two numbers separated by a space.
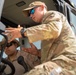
pixel 36 11
pixel 11 47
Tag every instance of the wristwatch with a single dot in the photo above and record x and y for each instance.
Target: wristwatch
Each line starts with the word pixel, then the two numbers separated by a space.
pixel 23 30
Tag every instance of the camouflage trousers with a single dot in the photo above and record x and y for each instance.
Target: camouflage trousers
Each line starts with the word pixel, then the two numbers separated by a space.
pixel 48 68
pixel 57 67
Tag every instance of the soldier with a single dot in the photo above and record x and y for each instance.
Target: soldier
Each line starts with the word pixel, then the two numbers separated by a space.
pixel 58 47
pixel 15 57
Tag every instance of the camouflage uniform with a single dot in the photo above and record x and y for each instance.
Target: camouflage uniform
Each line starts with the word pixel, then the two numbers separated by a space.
pixel 58 44
pixel 58 41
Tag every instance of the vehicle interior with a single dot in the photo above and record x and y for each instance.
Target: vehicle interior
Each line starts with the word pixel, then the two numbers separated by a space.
pixel 12 16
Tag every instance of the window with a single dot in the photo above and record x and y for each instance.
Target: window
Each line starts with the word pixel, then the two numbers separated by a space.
pixel 73 20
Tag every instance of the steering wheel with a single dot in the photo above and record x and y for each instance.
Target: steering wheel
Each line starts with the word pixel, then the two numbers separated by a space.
pixel 3 60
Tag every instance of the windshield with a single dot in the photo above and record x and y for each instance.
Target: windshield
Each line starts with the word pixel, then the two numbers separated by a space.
pixel 73 21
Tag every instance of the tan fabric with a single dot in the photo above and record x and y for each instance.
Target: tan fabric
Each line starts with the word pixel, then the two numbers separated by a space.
pixel 31 61
pixel 58 41
pixel 48 68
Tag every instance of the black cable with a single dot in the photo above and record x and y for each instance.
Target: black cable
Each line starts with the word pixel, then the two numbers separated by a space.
pixel 5 61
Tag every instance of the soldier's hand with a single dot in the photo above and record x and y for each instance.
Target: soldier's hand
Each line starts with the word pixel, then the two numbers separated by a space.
pixel 14 33
pixel 33 50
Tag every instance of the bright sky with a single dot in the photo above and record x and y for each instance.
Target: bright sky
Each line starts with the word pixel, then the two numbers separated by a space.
pixel 74 1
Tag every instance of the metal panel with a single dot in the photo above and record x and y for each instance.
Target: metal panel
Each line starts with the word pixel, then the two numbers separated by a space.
pixel 1 7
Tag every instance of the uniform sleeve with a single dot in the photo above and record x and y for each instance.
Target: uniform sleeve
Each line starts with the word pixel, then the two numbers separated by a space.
pixel 50 29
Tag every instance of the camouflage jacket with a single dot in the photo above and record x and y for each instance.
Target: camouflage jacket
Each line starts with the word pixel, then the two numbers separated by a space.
pixel 58 41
